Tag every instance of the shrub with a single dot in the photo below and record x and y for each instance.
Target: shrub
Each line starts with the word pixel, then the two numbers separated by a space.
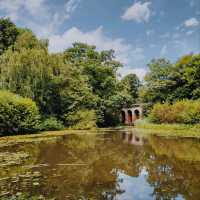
pixel 51 124
pixel 82 119
pixel 185 111
pixel 17 114
pixel 147 109
pixel 190 113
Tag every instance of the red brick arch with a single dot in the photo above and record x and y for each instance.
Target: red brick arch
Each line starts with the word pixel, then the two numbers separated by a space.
pixel 130 116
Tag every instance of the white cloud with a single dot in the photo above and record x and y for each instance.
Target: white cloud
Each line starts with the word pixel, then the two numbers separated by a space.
pixel 127 54
pixel 10 8
pixel 13 7
pixel 35 7
pixel 139 12
pixel 124 51
pixel 192 22
pixel 70 7
pixel 96 37
pixel 39 15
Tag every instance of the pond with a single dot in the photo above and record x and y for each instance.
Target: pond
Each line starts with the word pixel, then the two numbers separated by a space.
pixel 111 165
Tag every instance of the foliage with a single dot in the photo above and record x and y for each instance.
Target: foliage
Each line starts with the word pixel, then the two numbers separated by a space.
pixel 80 78
pixel 131 84
pixel 82 119
pixel 8 34
pixel 46 79
pixel 17 114
pixel 157 83
pixel 51 124
pixel 27 40
pixel 166 82
pixel 185 111
pixel 113 107
pixel 100 68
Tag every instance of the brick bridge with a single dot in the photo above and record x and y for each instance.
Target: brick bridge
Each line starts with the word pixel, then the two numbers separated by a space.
pixel 130 115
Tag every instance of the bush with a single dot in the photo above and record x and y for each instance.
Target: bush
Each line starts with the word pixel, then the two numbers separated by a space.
pixel 82 119
pixel 185 112
pixel 51 124
pixel 17 114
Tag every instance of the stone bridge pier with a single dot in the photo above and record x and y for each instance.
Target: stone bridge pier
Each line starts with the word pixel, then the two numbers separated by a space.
pixel 130 115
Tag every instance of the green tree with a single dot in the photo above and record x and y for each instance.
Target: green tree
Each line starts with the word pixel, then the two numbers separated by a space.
pixel 46 79
pixel 8 34
pixel 168 82
pixel 80 78
pixel 100 68
pixel 131 84
pixel 27 40
pixel 157 84
pixel 187 75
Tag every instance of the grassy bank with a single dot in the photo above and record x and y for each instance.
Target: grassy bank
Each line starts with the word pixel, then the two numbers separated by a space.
pixel 180 130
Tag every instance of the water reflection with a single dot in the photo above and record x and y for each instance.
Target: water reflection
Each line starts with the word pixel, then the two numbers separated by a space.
pixel 133 138
pixel 118 165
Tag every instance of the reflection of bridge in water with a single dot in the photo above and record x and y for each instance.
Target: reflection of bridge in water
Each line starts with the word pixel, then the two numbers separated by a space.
pixel 132 138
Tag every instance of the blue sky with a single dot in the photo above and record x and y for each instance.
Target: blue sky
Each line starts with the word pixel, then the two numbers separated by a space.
pixel 138 30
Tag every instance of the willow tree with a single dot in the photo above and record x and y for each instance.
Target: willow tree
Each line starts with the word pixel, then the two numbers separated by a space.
pixel 32 72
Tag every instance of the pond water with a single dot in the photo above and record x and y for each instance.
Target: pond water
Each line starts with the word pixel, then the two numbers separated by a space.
pixel 114 165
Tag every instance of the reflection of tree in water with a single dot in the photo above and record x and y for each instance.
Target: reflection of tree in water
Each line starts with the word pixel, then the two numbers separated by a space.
pixel 88 166
pixel 103 156
pixel 169 175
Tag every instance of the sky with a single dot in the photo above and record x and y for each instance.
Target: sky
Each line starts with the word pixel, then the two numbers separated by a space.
pixel 138 30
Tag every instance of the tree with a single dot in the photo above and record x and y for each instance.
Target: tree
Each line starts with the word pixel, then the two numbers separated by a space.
pixel 168 82
pixel 158 84
pixel 80 78
pixel 100 68
pixel 27 40
pixel 131 84
pixel 46 79
pixel 8 34
pixel 188 77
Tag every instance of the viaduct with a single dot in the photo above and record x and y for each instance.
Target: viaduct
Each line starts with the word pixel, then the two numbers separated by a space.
pixel 130 115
